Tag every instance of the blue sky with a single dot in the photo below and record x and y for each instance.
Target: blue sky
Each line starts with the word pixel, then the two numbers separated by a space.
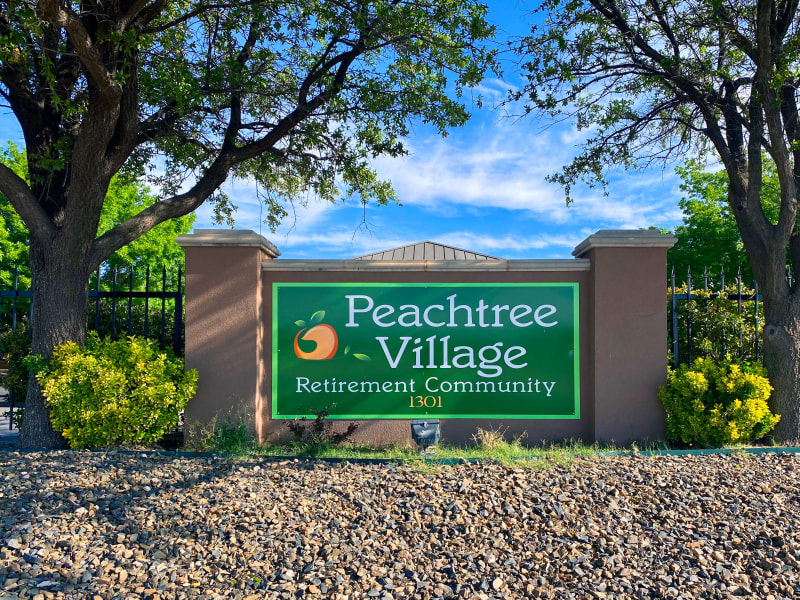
pixel 481 188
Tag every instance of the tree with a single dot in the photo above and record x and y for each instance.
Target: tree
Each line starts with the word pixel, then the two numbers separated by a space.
pixel 155 249
pixel 708 238
pixel 298 94
pixel 660 79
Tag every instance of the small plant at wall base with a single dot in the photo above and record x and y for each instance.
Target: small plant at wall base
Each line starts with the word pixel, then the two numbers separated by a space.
pixel 109 392
pixel 713 403
pixel 318 432
pixel 227 436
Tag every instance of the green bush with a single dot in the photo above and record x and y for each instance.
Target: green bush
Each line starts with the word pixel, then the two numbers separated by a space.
pixel 15 346
pixel 115 392
pixel 712 403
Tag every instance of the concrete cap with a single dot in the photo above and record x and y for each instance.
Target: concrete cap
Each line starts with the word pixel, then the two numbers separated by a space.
pixel 625 238
pixel 387 266
pixel 228 237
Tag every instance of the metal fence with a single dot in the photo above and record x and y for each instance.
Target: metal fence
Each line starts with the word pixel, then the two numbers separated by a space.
pixel 713 319
pixel 120 304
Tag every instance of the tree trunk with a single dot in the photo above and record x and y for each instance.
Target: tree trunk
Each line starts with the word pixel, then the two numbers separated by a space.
pixel 59 285
pixel 781 336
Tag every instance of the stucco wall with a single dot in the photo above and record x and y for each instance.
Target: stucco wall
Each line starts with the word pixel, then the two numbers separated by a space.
pixel 622 328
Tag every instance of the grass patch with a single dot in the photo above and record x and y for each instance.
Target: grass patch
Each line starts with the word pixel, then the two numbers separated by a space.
pixel 231 437
pixel 492 445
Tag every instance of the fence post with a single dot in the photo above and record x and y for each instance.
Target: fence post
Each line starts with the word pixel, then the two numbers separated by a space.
pixel 224 323
pixel 177 346
pixel 688 315
pixel 628 328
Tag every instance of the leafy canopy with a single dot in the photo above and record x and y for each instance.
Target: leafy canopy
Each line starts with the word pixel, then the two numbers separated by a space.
pixel 299 95
pixel 654 80
pixel 13 233
pixel 708 238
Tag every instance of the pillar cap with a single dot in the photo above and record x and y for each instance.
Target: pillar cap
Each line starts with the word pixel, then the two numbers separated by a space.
pixel 228 238
pixel 624 238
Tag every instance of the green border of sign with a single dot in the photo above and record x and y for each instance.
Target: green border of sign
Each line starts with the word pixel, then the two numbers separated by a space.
pixel 576 320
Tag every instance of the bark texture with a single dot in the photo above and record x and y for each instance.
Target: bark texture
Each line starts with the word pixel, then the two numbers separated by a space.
pixel 59 283
pixel 781 335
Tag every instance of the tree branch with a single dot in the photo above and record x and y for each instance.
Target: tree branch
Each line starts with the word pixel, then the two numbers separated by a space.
pixel 90 57
pixel 26 205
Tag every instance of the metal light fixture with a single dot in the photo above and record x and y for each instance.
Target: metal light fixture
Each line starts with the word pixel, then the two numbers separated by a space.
pixel 426 433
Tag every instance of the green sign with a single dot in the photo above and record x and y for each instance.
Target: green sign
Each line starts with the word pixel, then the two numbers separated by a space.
pixel 418 350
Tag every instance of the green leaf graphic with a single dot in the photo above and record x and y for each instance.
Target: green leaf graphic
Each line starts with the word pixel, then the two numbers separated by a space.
pixel 362 357
pixel 346 350
pixel 317 317
pixel 300 323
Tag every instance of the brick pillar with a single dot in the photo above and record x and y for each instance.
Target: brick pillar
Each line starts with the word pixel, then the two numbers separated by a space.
pixel 224 324
pixel 628 330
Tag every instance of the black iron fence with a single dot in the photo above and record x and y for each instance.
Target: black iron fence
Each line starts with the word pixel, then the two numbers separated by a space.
pixel 148 304
pixel 713 318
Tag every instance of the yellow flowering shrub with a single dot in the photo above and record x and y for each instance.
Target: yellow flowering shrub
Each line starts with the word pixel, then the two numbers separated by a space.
pixel 712 403
pixel 108 393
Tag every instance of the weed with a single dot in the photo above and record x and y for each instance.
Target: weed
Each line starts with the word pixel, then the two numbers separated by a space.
pixel 317 434
pixel 228 436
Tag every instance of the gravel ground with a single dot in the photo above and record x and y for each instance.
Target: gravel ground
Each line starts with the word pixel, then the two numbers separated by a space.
pixel 103 526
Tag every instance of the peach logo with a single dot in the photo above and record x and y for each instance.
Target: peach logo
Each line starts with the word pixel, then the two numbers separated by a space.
pixel 323 336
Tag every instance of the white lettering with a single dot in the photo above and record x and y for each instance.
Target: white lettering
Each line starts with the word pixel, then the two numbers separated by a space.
pixel 515 318
pixel 497 310
pixel 427 318
pixel 384 310
pixel 393 362
pixel 352 310
pixel 539 318
pixel 511 356
pixel 464 352
pixel 454 308
pixel 410 311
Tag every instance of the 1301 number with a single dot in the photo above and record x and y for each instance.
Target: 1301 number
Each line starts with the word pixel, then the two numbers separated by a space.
pixel 425 402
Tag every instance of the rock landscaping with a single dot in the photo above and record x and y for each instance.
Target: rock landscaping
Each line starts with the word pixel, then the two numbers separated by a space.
pixel 135 526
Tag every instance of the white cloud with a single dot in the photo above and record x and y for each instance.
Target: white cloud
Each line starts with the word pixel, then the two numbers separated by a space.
pixel 506 168
pixel 483 188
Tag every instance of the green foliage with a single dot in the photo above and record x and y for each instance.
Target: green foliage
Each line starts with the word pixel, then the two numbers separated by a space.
pixel 227 436
pixel 300 95
pixel 709 237
pixel 717 326
pixel 713 403
pixel 647 86
pixel 13 233
pixel 15 347
pixel 115 392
